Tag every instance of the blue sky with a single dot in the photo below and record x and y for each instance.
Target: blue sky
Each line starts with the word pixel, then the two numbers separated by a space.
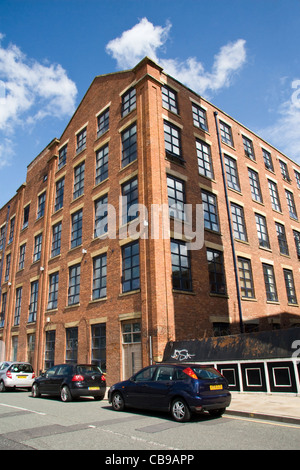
pixel 242 55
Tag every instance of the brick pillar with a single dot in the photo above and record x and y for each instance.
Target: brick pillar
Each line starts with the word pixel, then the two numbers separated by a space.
pixel 155 257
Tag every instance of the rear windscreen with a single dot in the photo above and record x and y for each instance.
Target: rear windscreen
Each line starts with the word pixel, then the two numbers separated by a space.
pixel 206 373
pixel 21 368
pixel 88 369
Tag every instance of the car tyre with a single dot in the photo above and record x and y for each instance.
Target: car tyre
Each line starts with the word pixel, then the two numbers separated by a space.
pixel 35 391
pixel 65 394
pixel 180 411
pixel 2 386
pixel 117 402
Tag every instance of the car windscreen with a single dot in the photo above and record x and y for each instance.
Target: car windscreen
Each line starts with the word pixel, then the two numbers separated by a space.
pixel 206 373
pixel 21 368
pixel 88 369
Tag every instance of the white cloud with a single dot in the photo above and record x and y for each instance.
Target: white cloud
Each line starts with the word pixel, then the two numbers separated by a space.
pixel 134 44
pixel 284 133
pixel 146 39
pixel 30 90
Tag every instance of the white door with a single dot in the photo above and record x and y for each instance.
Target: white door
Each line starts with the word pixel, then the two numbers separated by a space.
pixel 132 348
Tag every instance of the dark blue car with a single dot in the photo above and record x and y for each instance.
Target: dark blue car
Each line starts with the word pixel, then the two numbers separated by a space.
pixel 180 389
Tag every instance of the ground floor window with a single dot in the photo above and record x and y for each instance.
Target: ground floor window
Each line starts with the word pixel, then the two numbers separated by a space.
pixel 49 349
pixel 99 345
pixel 14 348
pixel 71 344
pixel 30 348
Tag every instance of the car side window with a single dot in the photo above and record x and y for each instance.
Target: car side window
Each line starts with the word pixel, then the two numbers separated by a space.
pixel 145 375
pixel 63 370
pixel 50 372
pixel 164 373
pixel 179 374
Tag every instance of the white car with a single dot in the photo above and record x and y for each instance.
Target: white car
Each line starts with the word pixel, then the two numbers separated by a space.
pixel 16 375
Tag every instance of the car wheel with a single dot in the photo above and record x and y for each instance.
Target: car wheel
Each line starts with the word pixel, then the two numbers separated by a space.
pixel 180 411
pixel 35 391
pixel 217 413
pixel 117 402
pixel 2 386
pixel 65 394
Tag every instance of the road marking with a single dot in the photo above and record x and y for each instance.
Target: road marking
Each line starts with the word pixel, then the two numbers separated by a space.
pixel 23 409
pixel 261 421
pixel 138 439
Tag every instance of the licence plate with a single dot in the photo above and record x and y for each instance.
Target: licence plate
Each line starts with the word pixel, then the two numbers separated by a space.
pixel 22 376
pixel 216 387
pixel 94 388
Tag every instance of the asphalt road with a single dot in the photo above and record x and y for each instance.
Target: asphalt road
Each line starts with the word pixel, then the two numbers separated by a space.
pixel 28 423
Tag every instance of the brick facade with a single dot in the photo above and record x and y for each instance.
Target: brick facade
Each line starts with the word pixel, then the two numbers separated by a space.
pixel 136 321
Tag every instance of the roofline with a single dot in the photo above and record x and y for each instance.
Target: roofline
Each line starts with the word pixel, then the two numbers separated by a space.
pixel 233 119
pixel 152 62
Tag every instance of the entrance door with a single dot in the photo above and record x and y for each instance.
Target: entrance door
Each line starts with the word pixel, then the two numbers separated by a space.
pixel 132 348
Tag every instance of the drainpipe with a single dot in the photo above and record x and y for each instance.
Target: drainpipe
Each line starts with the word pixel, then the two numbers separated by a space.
pixel 230 229
pixel 3 249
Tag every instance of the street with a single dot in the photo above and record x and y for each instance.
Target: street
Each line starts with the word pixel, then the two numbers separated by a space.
pixel 28 423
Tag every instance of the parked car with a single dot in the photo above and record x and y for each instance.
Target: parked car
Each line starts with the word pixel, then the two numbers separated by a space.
pixel 71 381
pixel 179 389
pixel 16 375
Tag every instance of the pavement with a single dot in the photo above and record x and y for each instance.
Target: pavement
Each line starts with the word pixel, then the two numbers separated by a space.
pixel 284 408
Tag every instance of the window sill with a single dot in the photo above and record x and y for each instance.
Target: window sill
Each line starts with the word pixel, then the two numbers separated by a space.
pixel 74 248
pixel 244 242
pixel 220 296
pixel 128 164
pixel 100 182
pixel 51 310
pixel 95 301
pixel 228 145
pixel 250 299
pixel 68 307
pixel 75 199
pixel 187 292
pixel 98 137
pixel 79 151
pixel 57 211
pixel 175 159
pixel 265 249
pixel 54 257
pixel 124 294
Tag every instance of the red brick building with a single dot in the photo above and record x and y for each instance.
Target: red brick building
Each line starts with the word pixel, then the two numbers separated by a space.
pixel 76 284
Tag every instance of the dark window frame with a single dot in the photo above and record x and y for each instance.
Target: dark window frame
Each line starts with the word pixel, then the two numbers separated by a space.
pixel 130 267
pixel 181 266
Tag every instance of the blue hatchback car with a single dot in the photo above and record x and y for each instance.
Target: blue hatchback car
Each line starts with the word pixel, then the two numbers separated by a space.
pixel 181 389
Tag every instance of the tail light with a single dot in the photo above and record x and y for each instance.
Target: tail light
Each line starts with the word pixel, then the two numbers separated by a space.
pixel 77 378
pixel 188 371
pixel 33 375
pixel 103 378
pixel 8 374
